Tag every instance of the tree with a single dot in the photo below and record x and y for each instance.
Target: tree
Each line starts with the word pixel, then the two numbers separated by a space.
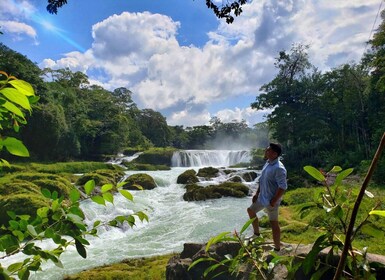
pixel 226 11
pixel 154 127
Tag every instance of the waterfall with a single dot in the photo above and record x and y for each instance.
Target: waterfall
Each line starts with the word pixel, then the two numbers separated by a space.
pixel 198 158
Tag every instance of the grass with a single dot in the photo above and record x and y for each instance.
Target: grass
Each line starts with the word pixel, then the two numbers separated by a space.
pixel 152 268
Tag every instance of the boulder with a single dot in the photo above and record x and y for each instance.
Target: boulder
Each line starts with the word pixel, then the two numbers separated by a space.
pixel 135 181
pixel 195 192
pixel 187 177
pixel 208 172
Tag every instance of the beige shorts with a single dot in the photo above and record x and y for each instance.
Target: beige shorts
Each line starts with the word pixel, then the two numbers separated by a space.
pixel 272 212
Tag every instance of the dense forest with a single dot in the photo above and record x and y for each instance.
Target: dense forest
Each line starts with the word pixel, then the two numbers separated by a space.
pixel 320 118
pixel 76 120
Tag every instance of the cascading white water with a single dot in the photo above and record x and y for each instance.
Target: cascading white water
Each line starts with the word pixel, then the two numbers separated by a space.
pixel 172 222
pixel 199 158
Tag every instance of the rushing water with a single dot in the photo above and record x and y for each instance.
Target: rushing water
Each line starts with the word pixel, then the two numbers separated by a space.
pixel 172 222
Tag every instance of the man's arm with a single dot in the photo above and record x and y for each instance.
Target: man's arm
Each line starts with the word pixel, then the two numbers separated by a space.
pixel 276 197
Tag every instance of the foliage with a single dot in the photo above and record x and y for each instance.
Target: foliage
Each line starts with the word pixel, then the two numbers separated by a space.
pixel 61 221
pixel 335 200
pixel 153 268
pixel 195 192
pixel 226 11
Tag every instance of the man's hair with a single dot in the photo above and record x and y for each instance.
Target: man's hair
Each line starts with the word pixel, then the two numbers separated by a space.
pixel 276 148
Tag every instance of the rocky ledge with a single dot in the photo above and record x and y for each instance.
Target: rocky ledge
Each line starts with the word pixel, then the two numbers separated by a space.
pixel 178 266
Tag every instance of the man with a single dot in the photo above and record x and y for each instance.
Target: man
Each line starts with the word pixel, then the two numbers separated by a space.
pixel 272 185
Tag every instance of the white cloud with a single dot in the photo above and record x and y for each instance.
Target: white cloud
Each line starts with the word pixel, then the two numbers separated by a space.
pixel 140 51
pixel 18 28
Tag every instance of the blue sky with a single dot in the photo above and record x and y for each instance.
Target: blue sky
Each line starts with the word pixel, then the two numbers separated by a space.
pixel 177 57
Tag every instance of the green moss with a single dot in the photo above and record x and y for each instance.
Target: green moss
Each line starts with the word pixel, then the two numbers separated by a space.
pixel 208 172
pixel 140 179
pixel 187 177
pixel 18 187
pixel 145 166
pixel 195 192
pixel 101 177
pixel 157 156
pixel 52 185
pixel 153 268
pixel 21 204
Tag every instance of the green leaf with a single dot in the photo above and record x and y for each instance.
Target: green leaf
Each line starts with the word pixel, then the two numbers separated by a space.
pixel 142 216
pixel 89 187
pixel 127 194
pixel 13 109
pixel 98 199
pixel 342 175
pixel 203 259
pixel 46 193
pixel 15 267
pixel 315 173
pixel 80 248
pixel 217 239
pixel 23 87
pixel 106 188
pixel 377 212
pixel 336 169
pixel 246 225
pixel 31 230
pixel 16 97
pixel 108 197
pixel 49 233
pixel 121 184
pixel 74 195
pixel 15 147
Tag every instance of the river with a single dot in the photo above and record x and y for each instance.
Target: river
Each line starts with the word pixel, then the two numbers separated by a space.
pixel 172 222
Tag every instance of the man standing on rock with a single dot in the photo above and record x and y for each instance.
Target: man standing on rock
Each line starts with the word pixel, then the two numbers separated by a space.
pixel 272 185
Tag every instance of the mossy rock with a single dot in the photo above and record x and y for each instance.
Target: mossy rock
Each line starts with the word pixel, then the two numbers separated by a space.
pixel 21 204
pixel 208 172
pixel 33 176
pixel 19 187
pixel 101 177
pixel 195 192
pixel 235 179
pixel 61 188
pixel 157 156
pixel 249 176
pixel 145 167
pixel 187 177
pixel 143 180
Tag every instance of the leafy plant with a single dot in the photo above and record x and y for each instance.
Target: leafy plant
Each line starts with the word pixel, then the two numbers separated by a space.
pixel 62 222
pixel 16 97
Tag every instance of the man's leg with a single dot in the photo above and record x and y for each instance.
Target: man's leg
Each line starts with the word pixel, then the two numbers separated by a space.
pixel 276 234
pixel 255 223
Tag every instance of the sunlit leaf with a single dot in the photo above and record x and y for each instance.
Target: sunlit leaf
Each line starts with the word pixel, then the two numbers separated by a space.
pixel 342 175
pixel 15 147
pixel 127 194
pixel 16 97
pixel 98 199
pixel 106 188
pixel 74 195
pixel 23 87
pixel 108 197
pixel 377 212
pixel 13 109
pixel 89 186
pixel 336 169
pixel 371 230
pixel 315 173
